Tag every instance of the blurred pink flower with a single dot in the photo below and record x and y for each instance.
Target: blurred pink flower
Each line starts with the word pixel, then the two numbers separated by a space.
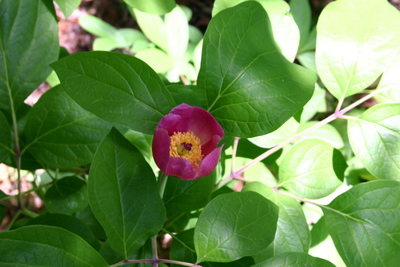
pixel 185 143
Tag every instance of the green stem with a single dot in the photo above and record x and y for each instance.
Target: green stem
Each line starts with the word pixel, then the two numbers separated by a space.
pixel 162 182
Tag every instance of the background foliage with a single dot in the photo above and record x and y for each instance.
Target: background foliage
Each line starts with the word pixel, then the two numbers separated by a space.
pixel 308 175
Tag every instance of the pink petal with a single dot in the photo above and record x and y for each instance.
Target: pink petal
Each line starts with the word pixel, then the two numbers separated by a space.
pixel 160 147
pixel 209 163
pixel 181 168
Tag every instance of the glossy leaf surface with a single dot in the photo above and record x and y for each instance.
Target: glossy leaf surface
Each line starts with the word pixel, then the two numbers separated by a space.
pixel 60 134
pixel 123 194
pixel 116 87
pixel 350 58
pixel 363 223
pixel 375 139
pixel 46 246
pixel 307 170
pixel 233 226
pixel 28 44
pixel 248 86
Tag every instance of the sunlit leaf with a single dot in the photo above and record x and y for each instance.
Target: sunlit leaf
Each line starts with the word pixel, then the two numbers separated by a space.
pixel 375 139
pixel 244 80
pixel 356 41
pixel 363 223
pixel 233 226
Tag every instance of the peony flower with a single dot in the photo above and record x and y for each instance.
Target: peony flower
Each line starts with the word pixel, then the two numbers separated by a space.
pixel 185 143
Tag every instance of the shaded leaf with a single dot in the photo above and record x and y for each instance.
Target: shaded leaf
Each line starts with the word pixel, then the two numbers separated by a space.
pixel 5 138
pixel 68 6
pixel 294 259
pixel 66 196
pixel 123 194
pixel 40 245
pixel 116 87
pixel 28 44
pixel 60 134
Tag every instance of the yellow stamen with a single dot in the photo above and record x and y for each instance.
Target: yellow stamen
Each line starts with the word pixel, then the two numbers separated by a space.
pixel 186 145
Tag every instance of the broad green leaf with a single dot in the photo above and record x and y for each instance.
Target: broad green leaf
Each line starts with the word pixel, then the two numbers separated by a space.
pixel 244 81
pixel 301 12
pixel 233 226
pixel 327 133
pixel 363 223
pixel 40 245
pixel 375 139
pixel 156 7
pixel 87 216
pixel 170 33
pixel 28 44
pixel 390 82
pixel 285 30
pixel 116 87
pixel 355 43
pixel 182 248
pixel 142 142
pixel 69 223
pixel 158 60
pixel 307 59
pixel 68 6
pixel 66 196
pixel 294 259
pixel 287 130
pixel 292 233
pixel 5 138
pixel 307 169
pixel 184 94
pixel 60 134
pixel 123 194
pixel 183 195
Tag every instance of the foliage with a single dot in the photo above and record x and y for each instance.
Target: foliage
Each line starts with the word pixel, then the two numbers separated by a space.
pixel 320 174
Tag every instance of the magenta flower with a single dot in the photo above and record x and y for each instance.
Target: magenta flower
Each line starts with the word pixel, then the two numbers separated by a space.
pixel 185 143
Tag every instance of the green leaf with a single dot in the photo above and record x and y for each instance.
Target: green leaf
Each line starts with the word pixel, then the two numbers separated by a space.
pixel 294 259
pixel 28 44
pixel 156 7
pixel 292 233
pixel 123 194
pixel 158 60
pixel 363 223
pixel 182 248
pixel 287 130
pixel 233 226
pixel 116 87
pixel 87 216
pixel 68 6
pixel 350 58
pixel 316 104
pixel 105 44
pixel 170 33
pixel 301 12
pixel 326 133
pixel 183 195
pixel 375 139
pixel 40 245
pixel 69 223
pixel 244 80
pixel 60 134
pixel 390 82
pixel 307 170
pixel 285 30
pixel 99 27
pixel 66 196
pixel 184 94
pixel 5 138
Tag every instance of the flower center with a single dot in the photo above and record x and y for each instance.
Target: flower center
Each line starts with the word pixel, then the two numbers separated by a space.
pixel 186 145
